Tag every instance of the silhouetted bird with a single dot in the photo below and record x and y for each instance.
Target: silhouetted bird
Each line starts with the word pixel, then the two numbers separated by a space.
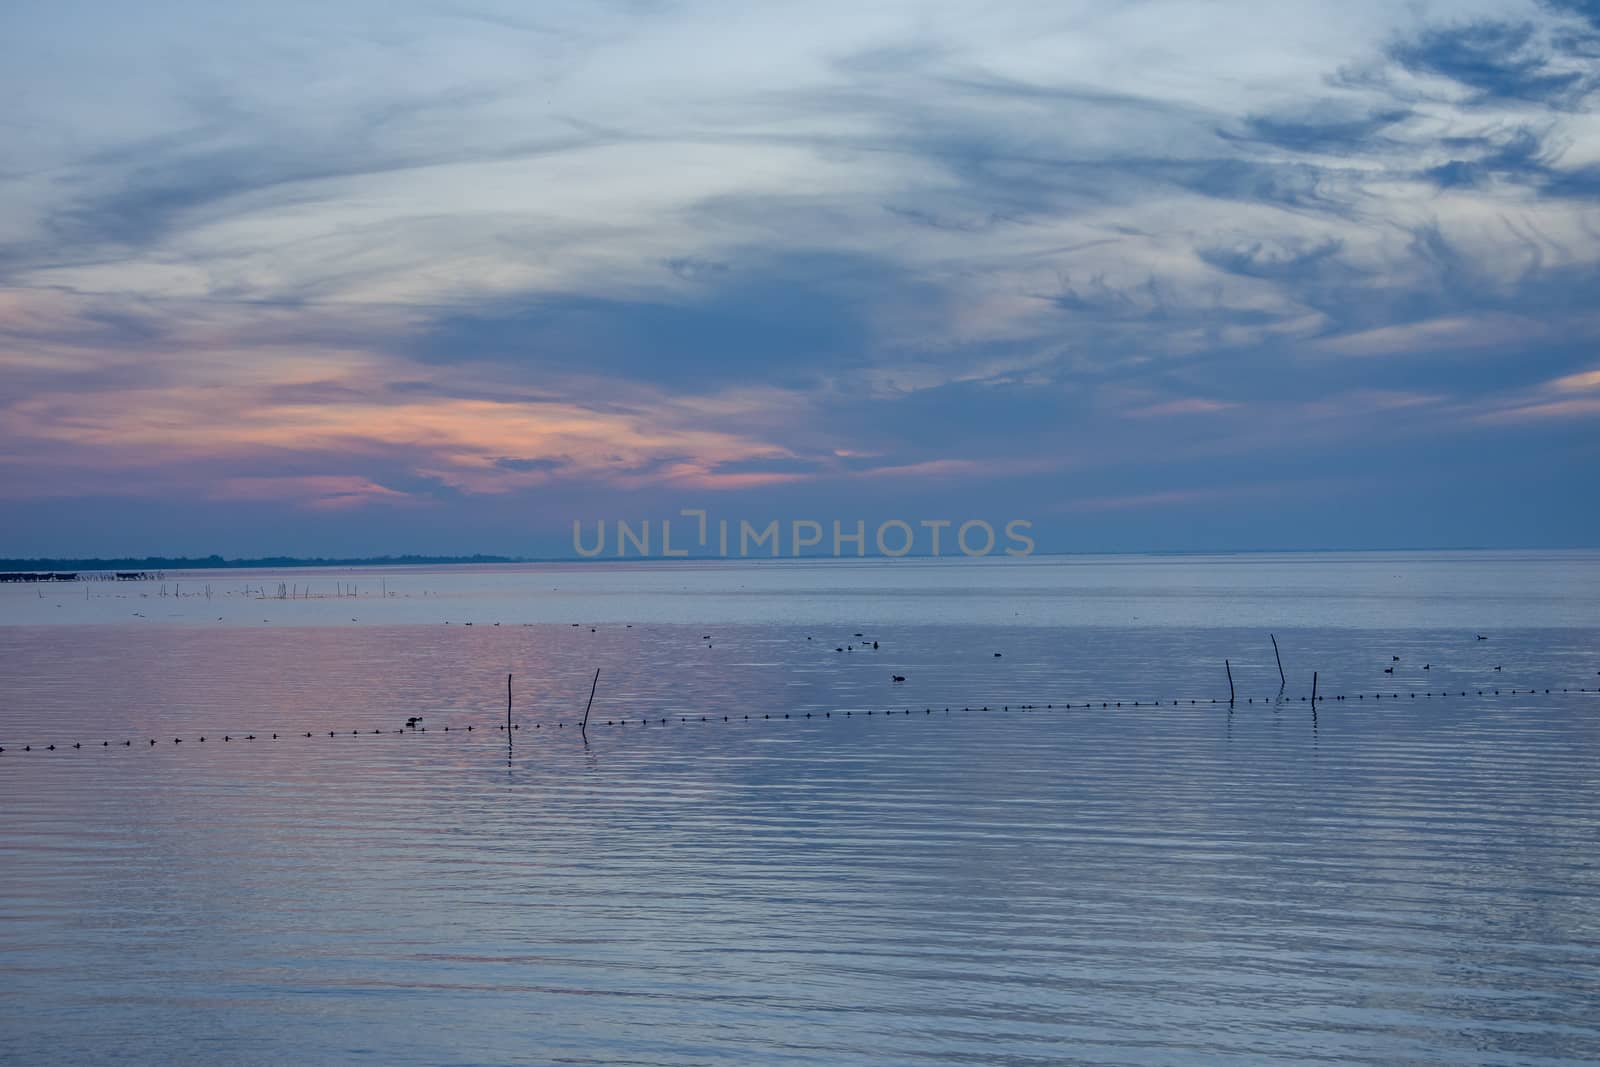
pixel 1388 670
pixel 997 655
pixel 898 677
pixel 1482 638
pixel 1427 666
pixel 1497 668
pixel 1397 659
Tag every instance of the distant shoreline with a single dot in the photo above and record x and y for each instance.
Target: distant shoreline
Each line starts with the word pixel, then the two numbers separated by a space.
pixel 188 563
pixel 216 562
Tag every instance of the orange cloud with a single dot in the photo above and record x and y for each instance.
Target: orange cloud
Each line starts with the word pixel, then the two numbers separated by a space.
pixel 1581 382
pixel 1533 404
pixel 270 408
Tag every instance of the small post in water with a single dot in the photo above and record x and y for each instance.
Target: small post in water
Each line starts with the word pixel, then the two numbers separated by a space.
pixel 1282 681
pixel 1313 690
pixel 1229 668
pixel 508 707
pixel 584 725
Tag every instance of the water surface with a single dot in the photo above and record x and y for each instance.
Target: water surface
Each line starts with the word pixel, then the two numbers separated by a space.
pixel 1395 880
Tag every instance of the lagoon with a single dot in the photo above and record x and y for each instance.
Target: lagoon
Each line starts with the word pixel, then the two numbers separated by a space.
pixel 970 873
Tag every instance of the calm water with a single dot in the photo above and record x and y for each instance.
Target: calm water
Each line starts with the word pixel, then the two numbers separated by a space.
pixel 1395 880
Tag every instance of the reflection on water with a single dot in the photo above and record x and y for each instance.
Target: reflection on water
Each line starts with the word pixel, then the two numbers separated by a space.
pixel 1405 881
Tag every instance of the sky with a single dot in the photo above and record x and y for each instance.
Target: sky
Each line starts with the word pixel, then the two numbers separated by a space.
pixel 368 278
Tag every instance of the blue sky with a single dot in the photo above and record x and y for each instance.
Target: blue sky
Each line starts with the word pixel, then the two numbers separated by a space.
pixel 369 278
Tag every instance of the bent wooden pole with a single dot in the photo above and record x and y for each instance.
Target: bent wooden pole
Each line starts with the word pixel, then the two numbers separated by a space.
pixel 584 726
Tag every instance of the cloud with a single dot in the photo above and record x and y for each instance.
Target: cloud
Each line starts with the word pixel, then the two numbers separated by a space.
pixel 537 465
pixel 408 256
pixel 790 322
pixel 770 465
pixel 1498 60
pixel 1318 133
pixel 1581 382
pixel 1294 259
pixel 316 491
pixel 1451 333
pixel 1579 182
pixel 1588 10
pixel 1191 405
pixel 1574 408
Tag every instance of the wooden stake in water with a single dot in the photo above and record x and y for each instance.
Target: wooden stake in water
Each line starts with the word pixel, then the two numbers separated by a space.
pixel 508 706
pixel 1282 681
pixel 1229 668
pixel 584 726
pixel 1313 690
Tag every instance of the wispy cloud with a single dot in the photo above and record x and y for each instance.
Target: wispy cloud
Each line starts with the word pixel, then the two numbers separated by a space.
pixel 377 256
pixel 1191 405
pixel 1582 382
pixel 1496 61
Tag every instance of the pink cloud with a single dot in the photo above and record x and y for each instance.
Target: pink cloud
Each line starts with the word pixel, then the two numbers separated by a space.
pixel 1191 405
pixel 317 491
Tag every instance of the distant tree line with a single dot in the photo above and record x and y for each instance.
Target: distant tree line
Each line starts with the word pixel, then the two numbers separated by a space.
pixel 196 563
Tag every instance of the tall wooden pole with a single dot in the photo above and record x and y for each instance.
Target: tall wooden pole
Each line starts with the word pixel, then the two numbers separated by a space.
pixel 584 726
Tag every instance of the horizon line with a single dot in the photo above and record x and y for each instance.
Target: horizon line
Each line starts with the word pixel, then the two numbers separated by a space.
pixel 215 561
